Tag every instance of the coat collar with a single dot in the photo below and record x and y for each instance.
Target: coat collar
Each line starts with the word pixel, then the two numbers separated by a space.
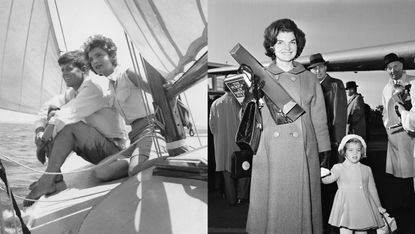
pixel 326 81
pixel 274 69
pixel 403 79
pixel 350 100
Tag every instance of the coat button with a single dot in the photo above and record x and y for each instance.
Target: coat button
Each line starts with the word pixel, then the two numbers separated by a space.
pixel 295 134
pixel 276 134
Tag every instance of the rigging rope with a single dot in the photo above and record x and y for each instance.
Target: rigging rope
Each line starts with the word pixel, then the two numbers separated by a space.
pixel 60 25
pixel 3 177
pixel 76 171
pixel 91 194
pixel 193 121
pixel 143 96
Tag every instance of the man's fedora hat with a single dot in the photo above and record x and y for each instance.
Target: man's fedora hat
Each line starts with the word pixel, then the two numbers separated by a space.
pixel 351 84
pixel 316 59
pixel 392 57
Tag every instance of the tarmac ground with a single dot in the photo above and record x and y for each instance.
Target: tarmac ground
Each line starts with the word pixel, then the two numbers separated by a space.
pixel 397 195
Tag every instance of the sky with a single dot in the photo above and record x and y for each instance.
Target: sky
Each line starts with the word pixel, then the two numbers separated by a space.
pixel 81 19
pixel 329 25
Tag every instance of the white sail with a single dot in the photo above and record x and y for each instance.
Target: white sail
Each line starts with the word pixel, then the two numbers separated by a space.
pixel 29 73
pixel 170 35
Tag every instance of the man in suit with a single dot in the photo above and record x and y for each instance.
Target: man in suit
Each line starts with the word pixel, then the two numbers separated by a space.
pixel 335 100
pixel 356 119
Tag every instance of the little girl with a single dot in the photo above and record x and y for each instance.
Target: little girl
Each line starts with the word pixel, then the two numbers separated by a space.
pixel 356 207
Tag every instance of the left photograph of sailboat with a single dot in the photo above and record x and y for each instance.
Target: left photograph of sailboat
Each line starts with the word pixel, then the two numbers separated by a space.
pixel 145 62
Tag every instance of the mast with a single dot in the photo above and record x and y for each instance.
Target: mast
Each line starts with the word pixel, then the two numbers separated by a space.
pixel 165 102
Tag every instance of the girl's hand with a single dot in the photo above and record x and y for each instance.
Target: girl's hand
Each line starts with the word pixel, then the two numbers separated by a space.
pixel 381 210
pixel 324 172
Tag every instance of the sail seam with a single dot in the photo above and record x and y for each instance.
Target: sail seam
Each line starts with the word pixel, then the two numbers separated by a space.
pixel 164 28
pixel 5 43
pixel 24 55
pixel 153 34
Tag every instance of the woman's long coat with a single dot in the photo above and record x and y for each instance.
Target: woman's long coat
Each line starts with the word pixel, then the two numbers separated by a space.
pixel 285 185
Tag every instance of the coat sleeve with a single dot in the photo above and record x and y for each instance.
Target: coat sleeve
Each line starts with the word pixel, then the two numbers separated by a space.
pixel 319 118
pixel 408 120
pixel 56 101
pixel 333 177
pixel 385 108
pixel 212 119
pixel 340 112
pixel 89 100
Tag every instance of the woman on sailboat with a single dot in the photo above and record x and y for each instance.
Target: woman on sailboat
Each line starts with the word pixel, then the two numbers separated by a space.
pixel 125 96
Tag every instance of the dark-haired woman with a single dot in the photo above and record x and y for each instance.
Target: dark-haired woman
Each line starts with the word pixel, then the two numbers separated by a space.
pixel 285 183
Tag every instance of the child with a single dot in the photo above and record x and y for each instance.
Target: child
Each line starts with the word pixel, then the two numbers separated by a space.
pixel 125 95
pixel 356 206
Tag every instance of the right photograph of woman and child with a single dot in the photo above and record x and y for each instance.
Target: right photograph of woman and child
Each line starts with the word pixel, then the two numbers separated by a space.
pixel 331 146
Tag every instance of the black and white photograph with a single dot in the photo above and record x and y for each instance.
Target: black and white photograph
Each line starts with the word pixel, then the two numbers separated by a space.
pixel 322 141
pixel 103 116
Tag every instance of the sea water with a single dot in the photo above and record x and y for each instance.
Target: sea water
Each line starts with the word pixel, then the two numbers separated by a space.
pixel 17 143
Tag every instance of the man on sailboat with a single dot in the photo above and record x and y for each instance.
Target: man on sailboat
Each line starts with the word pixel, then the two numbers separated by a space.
pixel 83 123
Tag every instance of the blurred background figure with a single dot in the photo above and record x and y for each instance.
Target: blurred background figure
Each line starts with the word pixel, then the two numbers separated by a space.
pixel 356 120
pixel 224 120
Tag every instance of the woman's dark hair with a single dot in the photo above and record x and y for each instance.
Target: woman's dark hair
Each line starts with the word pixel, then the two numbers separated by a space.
pixel 76 58
pixel 104 43
pixel 282 25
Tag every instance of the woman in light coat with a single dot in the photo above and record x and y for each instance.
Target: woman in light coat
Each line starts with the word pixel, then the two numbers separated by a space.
pixel 285 183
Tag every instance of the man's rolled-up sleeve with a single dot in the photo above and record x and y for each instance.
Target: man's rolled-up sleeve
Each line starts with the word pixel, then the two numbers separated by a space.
pixel 89 100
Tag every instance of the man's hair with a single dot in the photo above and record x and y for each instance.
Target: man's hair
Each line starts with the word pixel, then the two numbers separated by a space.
pixel 76 58
pixel 103 43
pixel 282 25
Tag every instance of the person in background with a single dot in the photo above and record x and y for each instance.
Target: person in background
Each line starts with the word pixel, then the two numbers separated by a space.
pixel 285 192
pixel 400 160
pixel 125 87
pixel 356 115
pixel 400 149
pixel 224 119
pixel 336 108
pixel 357 206
pixel 78 120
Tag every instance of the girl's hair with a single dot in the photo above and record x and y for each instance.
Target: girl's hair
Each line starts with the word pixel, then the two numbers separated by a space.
pixel 76 58
pixel 282 25
pixel 342 152
pixel 104 43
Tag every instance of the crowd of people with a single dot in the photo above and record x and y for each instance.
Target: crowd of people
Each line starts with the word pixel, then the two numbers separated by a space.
pixel 292 186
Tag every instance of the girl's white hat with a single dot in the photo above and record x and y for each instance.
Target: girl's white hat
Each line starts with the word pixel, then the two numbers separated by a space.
pixel 351 136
